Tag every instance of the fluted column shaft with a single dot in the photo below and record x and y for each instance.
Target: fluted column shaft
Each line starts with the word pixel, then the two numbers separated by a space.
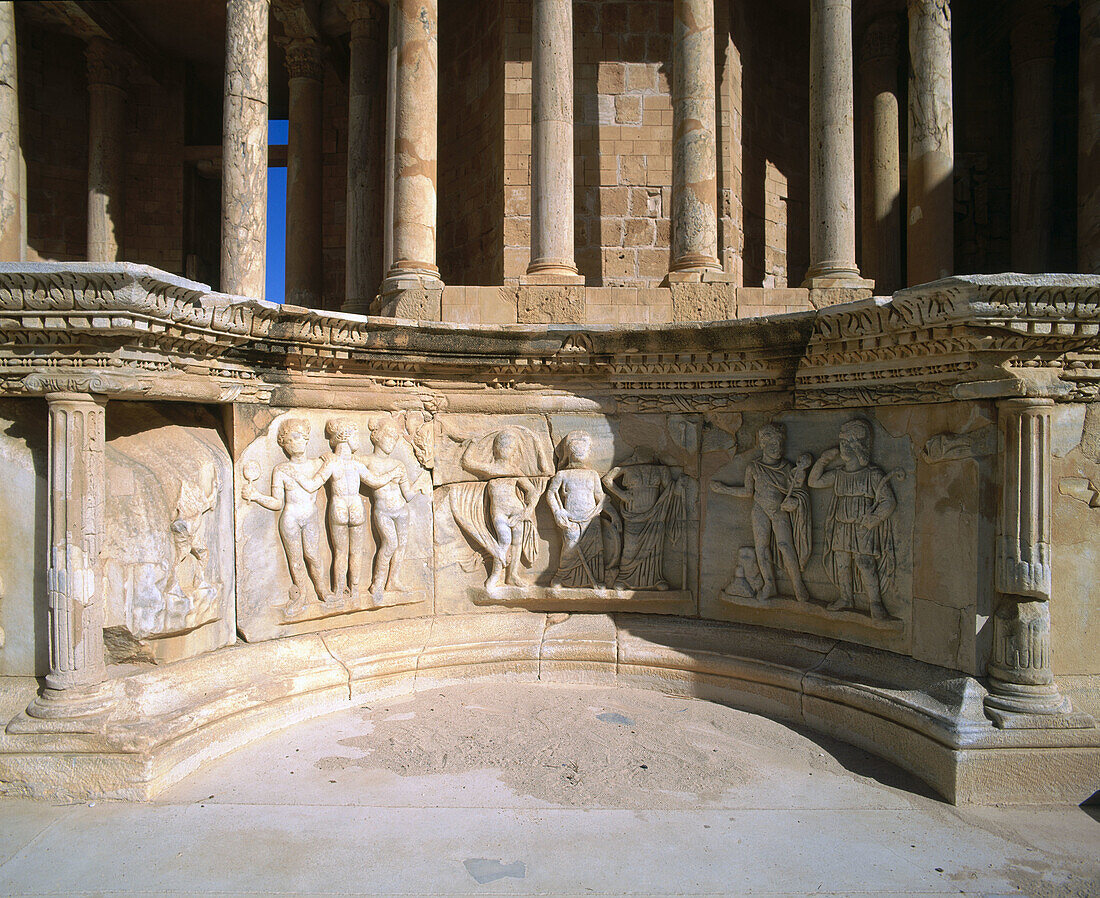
pixel 930 182
pixel 366 129
pixel 1022 691
pixel 881 152
pixel 244 148
pixel 106 151
pixel 415 93
pixel 11 201
pixel 552 236
pixel 1088 140
pixel 832 147
pixel 76 521
pixel 303 174
pixel 694 149
pixel 1033 32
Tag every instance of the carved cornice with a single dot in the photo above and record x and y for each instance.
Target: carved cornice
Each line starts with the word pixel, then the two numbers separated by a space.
pixel 984 336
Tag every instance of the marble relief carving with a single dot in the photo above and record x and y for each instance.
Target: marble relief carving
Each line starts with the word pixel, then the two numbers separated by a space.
pixel 559 525
pixel 341 513
pixel 167 563
pixel 780 516
pixel 823 531
pixel 498 510
pixel 859 535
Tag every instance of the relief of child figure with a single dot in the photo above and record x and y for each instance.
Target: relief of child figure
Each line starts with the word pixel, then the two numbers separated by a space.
pixel 347 513
pixel 576 498
pixel 293 484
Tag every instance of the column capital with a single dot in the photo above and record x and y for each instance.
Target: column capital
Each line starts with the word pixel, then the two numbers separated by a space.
pixel 107 63
pixel 305 59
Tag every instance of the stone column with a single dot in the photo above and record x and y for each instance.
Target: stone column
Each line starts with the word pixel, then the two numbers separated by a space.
pixel 694 152
pixel 881 152
pixel 930 183
pixel 303 174
pixel 832 148
pixel 1088 137
pixel 415 92
pixel 106 150
pixel 366 125
pixel 552 140
pixel 1033 32
pixel 11 202
pixel 244 148
pixel 1022 691
pixel 76 496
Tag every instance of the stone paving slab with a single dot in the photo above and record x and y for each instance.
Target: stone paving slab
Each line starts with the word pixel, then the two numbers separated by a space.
pixel 516 789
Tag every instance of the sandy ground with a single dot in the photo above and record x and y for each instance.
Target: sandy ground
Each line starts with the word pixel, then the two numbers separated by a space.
pixel 506 789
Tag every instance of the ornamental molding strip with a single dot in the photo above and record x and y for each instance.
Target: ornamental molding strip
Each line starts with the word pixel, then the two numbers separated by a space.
pixel 989 335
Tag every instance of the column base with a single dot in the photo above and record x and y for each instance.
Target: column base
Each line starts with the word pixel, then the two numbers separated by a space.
pixel 83 710
pixel 825 275
pixel 414 295
pixel 698 276
pixel 1018 706
pixel 551 279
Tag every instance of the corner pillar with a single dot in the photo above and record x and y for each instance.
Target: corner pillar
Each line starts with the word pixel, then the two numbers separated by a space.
pixel 303 176
pixel 1088 141
pixel 931 172
pixel 11 191
pixel 694 142
pixel 832 148
pixel 106 150
pixel 881 151
pixel 366 136
pixel 1022 691
pixel 244 149
pixel 415 94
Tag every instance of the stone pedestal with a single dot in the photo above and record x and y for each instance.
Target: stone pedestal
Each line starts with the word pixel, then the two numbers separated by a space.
pixel 552 253
pixel 11 201
pixel 1033 31
pixel 244 149
pixel 832 148
pixel 366 130
pixel 106 150
pixel 694 152
pixel 76 520
pixel 1088 137
pixel 414 92
pixel 881 154
pixel 930 183
pixel 303 174
pixel 1022 691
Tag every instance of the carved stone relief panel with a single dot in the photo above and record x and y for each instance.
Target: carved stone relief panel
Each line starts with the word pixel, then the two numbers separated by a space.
pixel 566 511
pixel 334 521
pixel 1075 511
pixel 24 636
pixel 809 525
pixel 167 558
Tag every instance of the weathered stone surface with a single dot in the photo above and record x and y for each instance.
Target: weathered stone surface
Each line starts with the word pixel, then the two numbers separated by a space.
pixel 848 480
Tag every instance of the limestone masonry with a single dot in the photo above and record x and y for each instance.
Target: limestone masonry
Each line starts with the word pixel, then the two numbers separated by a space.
pixel 657 343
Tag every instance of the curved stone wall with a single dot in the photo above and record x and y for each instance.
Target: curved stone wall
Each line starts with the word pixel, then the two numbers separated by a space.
pixel 872 520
